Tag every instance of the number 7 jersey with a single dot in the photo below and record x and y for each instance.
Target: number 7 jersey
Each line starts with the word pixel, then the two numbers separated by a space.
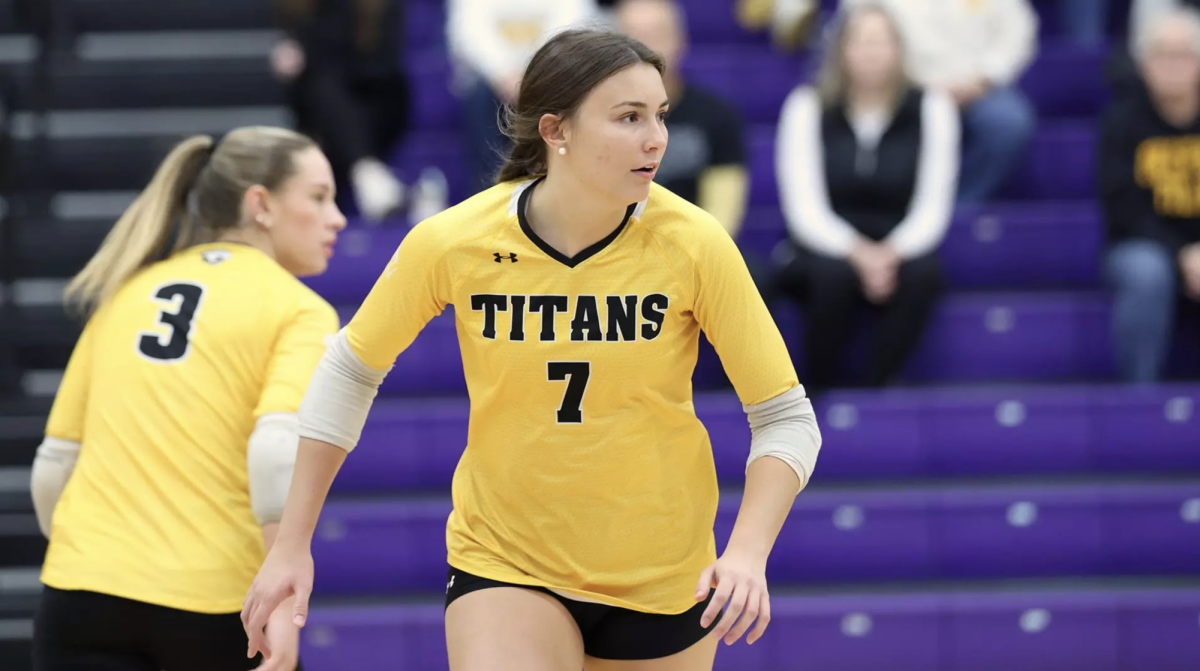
pixel 586 470
pixel 162 391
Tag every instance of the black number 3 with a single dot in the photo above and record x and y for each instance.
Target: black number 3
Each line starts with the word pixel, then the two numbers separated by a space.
pixel 184 298
pixel 576 373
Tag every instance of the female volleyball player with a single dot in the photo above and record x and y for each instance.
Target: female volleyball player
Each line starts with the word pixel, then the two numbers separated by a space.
pixel 169 449
pixel 582 530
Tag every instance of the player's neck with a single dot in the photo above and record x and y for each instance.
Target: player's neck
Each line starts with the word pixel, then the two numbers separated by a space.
pixel 569 217
pixel 248 236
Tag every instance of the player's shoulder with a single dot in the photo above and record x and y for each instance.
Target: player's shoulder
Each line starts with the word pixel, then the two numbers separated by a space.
pixel 679 222
pixel 476 216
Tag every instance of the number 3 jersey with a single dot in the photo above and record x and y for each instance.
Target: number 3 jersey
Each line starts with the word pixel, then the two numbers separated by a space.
pixel 586 470
pixel 162 391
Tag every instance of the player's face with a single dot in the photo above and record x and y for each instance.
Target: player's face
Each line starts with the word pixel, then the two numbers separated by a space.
pixel 619 134
pixel 307 218
pixel 871 52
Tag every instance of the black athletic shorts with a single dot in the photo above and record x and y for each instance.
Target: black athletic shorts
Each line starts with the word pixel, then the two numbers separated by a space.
pixel 87 631
pixel 609 632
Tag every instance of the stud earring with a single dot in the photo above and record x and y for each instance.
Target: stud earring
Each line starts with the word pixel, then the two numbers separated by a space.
pixel 562 151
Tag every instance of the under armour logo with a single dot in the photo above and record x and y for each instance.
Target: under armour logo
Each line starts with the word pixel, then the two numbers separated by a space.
pixel 450 584
pixel 500 257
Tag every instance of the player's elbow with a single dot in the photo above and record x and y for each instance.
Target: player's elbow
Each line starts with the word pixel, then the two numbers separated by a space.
pixel 271 458
pixel 52 467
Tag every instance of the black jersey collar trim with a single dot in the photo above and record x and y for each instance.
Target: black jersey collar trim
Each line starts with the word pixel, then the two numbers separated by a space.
pixel 568 261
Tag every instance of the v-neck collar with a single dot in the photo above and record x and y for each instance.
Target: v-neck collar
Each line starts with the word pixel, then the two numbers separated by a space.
pixel 583 255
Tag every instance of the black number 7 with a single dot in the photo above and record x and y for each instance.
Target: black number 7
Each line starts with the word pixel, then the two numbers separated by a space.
pixel 576 373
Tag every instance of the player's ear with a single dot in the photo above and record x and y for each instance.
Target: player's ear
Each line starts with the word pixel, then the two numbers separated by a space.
pixel 553 130
pixel 256 204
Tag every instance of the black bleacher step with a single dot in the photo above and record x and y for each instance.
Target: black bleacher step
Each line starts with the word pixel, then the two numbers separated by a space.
pixel 21 541
pixel 81 84
pixel 143 15
pixel 48 247
pixel 43 336
pixel 91 163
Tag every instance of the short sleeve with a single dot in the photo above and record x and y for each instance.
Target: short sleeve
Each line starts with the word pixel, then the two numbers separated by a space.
pixel 413 289
pixel 70 402
pixel 733 316
pixel 297 350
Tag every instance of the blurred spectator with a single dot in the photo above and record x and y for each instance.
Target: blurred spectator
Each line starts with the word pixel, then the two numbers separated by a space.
pixel 1085 21
pixel 347 87
pixel 1142 11
pixel 1149 169
pixel 976 50
pixel 790 22
pixel 866 164
pixel 705 157
pixel 492 42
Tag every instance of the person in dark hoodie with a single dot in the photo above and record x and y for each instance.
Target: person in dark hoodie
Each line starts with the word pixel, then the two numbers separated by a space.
pixel 1150 187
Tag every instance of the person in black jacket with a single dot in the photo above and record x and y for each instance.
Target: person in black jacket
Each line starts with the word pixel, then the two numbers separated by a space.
pixel 1150 185
pixel 341 64
pixel 867 165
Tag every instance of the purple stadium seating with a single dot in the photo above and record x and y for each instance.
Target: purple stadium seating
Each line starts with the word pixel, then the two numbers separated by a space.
pixel 410 445
pixel 1065 630
pixel 844 534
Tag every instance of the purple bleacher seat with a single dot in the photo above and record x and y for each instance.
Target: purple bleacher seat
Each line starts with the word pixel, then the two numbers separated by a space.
pixel 1015 531
pixel 1154 530
pixel 1115 630
pixel 1067 81
pixel 443 149
pixel 425 25
pixel 1060 163
pixel 1038 632
pixel 1012 337
pixel 433 104
pixel 397 546
pixel 1154 428
pixel 1010 245
pixel 712 23
pixel 1158 630
pixel 998 430
pixel 1017 245
pixel 415 444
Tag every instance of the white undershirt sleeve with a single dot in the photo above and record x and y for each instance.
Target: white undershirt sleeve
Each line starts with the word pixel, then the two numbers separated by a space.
pixel 932 206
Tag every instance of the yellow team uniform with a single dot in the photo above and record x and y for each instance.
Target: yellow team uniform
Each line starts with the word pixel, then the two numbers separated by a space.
pixel 585 470
pixel 162 391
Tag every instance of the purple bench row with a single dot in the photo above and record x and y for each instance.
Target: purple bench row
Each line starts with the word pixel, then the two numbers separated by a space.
pixel 415 445
pixel 972 338
pixel 1143 630
pixel 846 535
pixel 1059 165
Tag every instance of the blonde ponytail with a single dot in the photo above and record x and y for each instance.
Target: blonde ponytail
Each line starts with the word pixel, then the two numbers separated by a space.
pixel 140 236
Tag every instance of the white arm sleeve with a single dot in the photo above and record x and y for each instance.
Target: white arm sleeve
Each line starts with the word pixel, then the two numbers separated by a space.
pixel 339 396
pixel 932 205
pixel 52 467
pixel 270 460
pixel 785 427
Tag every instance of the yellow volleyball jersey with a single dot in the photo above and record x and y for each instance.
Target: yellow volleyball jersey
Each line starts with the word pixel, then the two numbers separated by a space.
pixel 586 469
pixel 162 391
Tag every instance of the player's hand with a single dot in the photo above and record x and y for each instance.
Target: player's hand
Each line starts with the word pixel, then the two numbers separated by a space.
pixel 741 583
pixel 287 572
pixel 283 638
